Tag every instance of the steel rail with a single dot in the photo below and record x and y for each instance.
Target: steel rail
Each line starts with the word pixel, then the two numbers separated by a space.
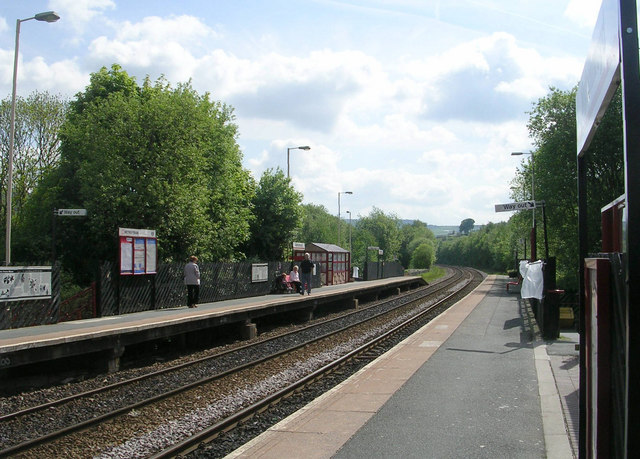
pixel 175 368
pixel 205 436
pixel 29 444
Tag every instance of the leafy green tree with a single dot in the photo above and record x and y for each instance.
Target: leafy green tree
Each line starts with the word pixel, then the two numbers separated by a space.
pixel 149 156
pixel 423 256
pixel 467 225
pixel 491 248
pixel 385 230
pixel 36 149
pixel 552 126
pixel 277 216
pixel 318 225
pixel 416 230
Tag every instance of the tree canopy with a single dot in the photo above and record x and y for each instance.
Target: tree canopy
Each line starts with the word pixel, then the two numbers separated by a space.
pixel 277 216
pixel 552 126
pixel 38 118
pixel 466 225
pixel 149 156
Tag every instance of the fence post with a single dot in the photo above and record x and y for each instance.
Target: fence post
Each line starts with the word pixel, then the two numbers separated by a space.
pixel 55 292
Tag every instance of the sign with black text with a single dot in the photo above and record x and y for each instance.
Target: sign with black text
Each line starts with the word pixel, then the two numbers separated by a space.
pixel 514 206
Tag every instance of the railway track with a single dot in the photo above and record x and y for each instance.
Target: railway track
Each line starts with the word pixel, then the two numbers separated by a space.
pixel 159 401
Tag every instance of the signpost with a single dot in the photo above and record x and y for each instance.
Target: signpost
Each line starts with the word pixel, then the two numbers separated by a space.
pixel 70 212
pixel 62 213
pixel 514 206
pixel 528 205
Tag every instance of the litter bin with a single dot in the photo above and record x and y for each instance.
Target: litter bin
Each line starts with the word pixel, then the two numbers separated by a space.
pixel 551 314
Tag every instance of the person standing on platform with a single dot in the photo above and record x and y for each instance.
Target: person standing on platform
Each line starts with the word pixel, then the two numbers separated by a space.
pixel 307 270
pixel 294 278
pixel 192 281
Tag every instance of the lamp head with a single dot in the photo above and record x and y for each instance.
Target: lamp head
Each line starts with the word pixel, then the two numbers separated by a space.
pixel 47 16
pixel 304 147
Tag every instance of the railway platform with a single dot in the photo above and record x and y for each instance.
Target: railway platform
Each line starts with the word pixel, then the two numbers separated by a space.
pixel 478 381
pixel 104 340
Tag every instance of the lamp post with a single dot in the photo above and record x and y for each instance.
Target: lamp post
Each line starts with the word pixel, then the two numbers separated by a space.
pixel 349 212
pixel 304 147
pixel 533 198
pixel 339 193
pixel 47 16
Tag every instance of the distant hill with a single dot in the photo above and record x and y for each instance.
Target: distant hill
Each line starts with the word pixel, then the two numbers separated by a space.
pixel 442 230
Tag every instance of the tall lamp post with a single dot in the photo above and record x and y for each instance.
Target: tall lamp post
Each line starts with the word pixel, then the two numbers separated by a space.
pixel 533 198
pixel 304 147
pixel 47 16
pixel 339 193
pixel 349 212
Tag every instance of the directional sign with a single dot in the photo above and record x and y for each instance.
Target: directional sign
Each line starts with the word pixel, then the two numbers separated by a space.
pixel 71 212
pixel 513 206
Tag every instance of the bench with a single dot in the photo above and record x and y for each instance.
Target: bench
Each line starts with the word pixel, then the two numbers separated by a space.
pixel 514 283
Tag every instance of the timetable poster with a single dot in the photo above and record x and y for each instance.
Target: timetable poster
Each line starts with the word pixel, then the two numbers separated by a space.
pixel 139 256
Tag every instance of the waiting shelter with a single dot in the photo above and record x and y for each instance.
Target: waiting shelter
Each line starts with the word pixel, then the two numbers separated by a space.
pixel 333 261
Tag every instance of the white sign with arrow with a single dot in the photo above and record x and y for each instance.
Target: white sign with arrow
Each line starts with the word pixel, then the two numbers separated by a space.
pixel 513 206
pixel 71 212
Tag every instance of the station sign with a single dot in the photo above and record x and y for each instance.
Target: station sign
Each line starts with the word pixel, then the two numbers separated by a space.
pixel 71 212
pixel 514 206
pixel 138 251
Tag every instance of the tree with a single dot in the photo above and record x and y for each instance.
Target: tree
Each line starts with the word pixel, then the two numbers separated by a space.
pixel 552 126
pixel 318 225
pixel 423 256
pixel 149 156
pixel 384 230
pixel 467 225
pixel 490 248
pixel 277 216
pixel 416 230
pixel 36 148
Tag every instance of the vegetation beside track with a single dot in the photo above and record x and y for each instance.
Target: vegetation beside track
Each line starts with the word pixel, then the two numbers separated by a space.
pixel 436 272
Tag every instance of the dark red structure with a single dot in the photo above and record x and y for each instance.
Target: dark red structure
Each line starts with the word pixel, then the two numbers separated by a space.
pixel 610 280
pixel 333 261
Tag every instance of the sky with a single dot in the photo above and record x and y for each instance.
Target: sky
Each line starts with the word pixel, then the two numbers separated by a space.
pixel 412 105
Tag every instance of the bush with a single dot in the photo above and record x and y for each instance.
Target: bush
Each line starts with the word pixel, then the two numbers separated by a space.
pixel 423 257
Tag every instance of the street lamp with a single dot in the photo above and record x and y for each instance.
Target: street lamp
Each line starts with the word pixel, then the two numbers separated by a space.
pixel 47 16
pixel 533 198
pixel 349 212
pixel 304 147
pixel 339 193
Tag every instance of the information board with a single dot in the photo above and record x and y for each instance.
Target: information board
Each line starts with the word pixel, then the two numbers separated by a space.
pixel 138 251
pixel 259 272
pixel 24 282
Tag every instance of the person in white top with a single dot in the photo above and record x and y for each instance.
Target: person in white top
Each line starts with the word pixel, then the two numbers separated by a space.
pixel 192 281
pixel 294 278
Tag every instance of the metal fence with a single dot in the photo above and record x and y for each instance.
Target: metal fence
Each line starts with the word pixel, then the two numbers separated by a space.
pixel 219 281
pixel 382 270
pixel 114 294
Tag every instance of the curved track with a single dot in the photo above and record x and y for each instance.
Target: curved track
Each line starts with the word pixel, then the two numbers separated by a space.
pixel 230 366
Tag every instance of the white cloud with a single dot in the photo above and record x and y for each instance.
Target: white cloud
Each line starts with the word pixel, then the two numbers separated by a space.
pixel 63 77
pixel 79 13
pixel 488 79
pixel 583 12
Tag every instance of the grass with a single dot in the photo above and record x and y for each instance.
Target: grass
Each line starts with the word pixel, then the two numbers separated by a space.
pixel 436 272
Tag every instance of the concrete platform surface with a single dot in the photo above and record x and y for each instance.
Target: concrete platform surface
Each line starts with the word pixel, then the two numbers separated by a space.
pixel 472 383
